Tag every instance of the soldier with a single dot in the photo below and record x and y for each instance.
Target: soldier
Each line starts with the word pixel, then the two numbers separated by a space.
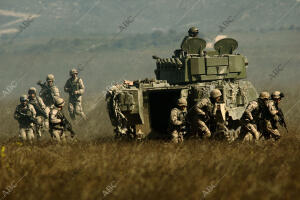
pixel 192 33
pixel 276 97
pixel 268 115
pixel 25 114
pixel 56 121
pixel 204 113
pixel 40 108
pixel 74 86
pixel 250 118
pixel 48 92
pixel 177 125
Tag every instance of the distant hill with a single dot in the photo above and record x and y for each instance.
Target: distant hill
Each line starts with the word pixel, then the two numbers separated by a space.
pixel 76 18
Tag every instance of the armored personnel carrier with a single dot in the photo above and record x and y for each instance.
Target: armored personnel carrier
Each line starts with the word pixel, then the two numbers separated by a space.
pixel 139 109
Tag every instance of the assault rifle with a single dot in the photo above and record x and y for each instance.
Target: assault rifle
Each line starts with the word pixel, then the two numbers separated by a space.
pixel 66 124
pixel 282 120
pixel 38 109
pixel 44 86
pixel 185 123
pixel 27 118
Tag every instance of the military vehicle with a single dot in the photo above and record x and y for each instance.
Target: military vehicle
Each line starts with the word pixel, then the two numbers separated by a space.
pixel 141 108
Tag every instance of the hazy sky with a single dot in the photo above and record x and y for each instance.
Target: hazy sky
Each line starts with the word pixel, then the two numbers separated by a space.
pixel 84 17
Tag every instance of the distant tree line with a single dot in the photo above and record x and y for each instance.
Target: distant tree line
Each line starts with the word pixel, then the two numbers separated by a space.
pixel 154 39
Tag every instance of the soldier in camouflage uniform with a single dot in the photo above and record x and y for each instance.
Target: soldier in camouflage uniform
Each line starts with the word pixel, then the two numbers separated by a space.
pixel 177 125
pixel 48 92
pixel 40 108
pixel 205 113
pixel 56 117
pixel 276 97
pixel 251 117
pixel 25 114
pixel 192 33
pixel 74 86
pixel 268 115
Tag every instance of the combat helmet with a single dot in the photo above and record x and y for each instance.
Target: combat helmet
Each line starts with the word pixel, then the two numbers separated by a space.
pixel 193 30
pixel 50 77
pixel 32 90
pixel 73 71
pixel 59 102
pixel 23 98
pixel 264 95
pixel 276 95
pixel 215 93
pixel 182 102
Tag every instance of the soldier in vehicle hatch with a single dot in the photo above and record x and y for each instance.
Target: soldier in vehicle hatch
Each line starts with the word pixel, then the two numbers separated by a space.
pixel 192 33
pixel 177 126
pixel 75 87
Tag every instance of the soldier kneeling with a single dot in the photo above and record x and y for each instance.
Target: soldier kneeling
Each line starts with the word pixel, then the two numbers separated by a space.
pixel 269 114
pixel 203 112
pixel 250 119
pixel 211 118
pixel 177 125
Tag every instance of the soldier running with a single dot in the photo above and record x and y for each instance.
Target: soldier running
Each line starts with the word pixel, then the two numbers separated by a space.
pixel 25 114
pixel 40 108
pixel 177 125
pixel 74 86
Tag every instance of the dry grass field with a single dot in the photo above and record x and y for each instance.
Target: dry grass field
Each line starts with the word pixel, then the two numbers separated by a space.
pixel 104 169
pixel 96 167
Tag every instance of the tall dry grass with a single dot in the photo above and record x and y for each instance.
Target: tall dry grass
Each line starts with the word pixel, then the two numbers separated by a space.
pixel 152 170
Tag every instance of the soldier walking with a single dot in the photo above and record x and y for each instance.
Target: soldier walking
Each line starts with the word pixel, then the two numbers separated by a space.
pixel 40 108
pixel 177 124
pixel 25 114
pixel 58 121
pixel 75 87
pixel 48 92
